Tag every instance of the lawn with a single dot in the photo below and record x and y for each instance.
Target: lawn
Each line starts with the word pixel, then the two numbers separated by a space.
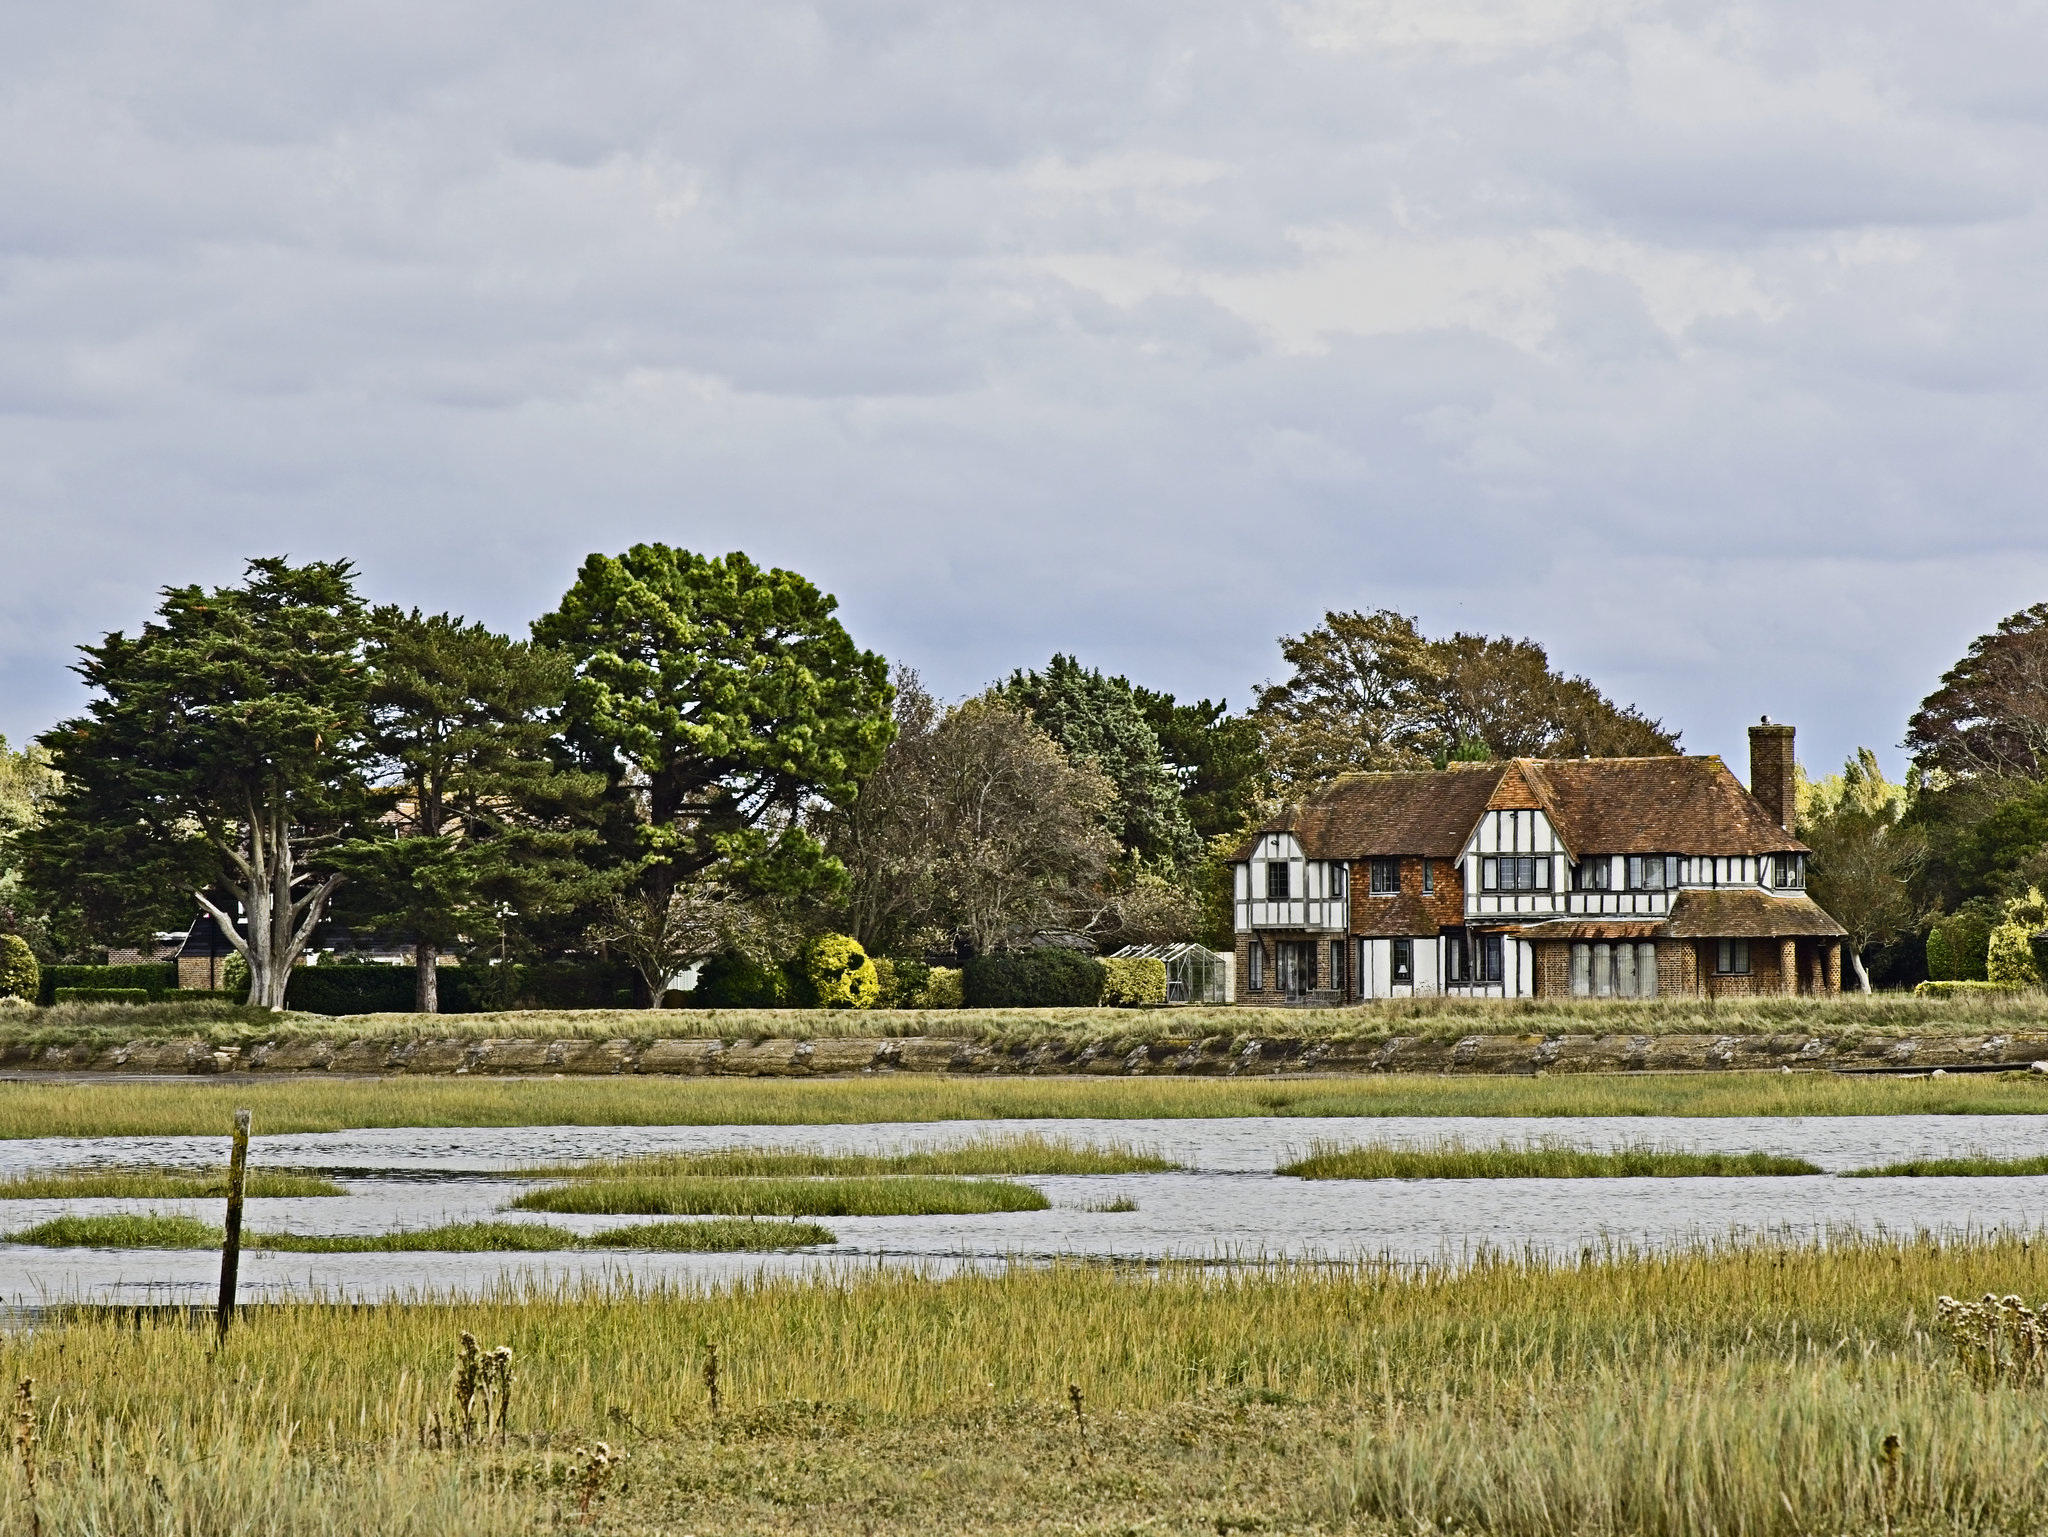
pixel 1715 1390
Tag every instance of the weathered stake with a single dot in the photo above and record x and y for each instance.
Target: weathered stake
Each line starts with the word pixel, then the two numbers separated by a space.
pixel 231 1245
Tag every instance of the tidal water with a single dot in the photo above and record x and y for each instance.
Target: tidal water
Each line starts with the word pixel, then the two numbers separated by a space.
pixel 1227 1204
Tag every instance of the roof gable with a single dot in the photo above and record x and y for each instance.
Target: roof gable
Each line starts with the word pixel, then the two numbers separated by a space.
pixel 1668 805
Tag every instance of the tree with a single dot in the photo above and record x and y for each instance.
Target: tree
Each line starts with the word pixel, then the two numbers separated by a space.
pixel 1017 827
pixel 1219 758
pixel 1098 720
pixel 976 829
pixel 27 786
pixel 661 933
pixel 721 702
pixel 223 753
pixel 1369 691
pixel 477 818
pixel 1864 855
pixel 1989 717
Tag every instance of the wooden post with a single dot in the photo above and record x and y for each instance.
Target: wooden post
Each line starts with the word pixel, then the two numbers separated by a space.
pixel 231 1245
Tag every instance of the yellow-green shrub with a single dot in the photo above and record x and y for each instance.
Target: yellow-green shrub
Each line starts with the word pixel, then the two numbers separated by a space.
pixel 2009 959
pixel 20 976
pixel 839 973
pixel 1946 989
pixel 942 990
pixel 1133 981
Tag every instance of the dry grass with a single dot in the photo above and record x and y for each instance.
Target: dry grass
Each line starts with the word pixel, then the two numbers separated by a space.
pixel 202 1107
pixel 221 1024
pixel 152 1231
pixel 1548 1160
pixel 1712 1391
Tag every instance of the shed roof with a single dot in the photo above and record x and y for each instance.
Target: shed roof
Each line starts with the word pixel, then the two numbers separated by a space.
pixel 1748 915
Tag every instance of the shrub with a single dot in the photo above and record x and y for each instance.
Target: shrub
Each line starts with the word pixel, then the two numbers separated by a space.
pixel 1132 982
pixel 234 974
pixel 150 976
pixel 1050 978
pixel 832 971
pixel 943 989
pixel 1958 989
pixel 734 981
pixel 2009 958
pixel 102 995
pixel 331 989
pixel 1956 948
pixel 902 982
pixel 20 976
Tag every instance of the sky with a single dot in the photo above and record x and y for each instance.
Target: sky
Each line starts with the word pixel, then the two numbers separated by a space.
pixel 1702 343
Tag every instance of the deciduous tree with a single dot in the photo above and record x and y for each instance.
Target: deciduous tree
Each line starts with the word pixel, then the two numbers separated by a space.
pixel 1864 856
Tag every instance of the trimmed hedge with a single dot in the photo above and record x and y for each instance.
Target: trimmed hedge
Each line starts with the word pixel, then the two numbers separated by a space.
pixel 103 995
pixel 1961 989
pixel 345 989
pixel 1033 979
pixel 1133 981
pixel 150 976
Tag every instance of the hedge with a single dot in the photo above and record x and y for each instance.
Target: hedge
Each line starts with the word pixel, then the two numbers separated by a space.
pixel 1961 989
pixel 734 981
pixel 20 975
pixel 103 995
pixel 1133 981
pixel 1956 948
pixel 1033 979
pixel 150 976
pixel 334 989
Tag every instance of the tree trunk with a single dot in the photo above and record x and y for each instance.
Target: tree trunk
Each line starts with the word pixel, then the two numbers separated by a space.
pixel 426 993
pixel 1856 960
pixel 279 922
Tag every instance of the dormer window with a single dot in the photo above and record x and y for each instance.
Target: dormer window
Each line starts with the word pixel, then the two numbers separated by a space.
pixel 1652 872
pixel 1592 875
pixel 1788 872
pixel 1386 877
pixel 1278 888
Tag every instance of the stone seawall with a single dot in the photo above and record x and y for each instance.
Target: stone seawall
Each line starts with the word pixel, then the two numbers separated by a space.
pixel 1213 1056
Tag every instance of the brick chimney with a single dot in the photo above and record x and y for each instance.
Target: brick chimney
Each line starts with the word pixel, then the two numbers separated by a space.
pixel 1770 771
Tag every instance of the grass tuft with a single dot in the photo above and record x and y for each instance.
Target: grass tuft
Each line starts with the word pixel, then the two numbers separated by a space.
pixel 1455 1160
pixel 451 1238
pixel 1006 1155
pixel 719 1235
pixel 125 1231
pixel 158 1184
pixel 889 1196
pixel 1977 1164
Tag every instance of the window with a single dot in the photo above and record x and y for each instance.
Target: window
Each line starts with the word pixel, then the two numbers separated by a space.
pixel 1428 877
pixel 1457 957
pixel 1404 960
pixel 1386 877
pixel 1258 967
pixel 1519 873
pixel 1731 957
pixel 1337 965
pixel 1788 872
pixel 1490 958
pixel 1592 874
pixel 1614 971
pixel 1277 887
pixel 1337 880
pixel 1652 872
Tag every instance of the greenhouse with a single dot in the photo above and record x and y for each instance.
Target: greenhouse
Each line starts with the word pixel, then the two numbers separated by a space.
pixel 1194 974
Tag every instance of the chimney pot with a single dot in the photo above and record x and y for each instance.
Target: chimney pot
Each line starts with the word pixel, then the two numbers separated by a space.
pixel 1771 774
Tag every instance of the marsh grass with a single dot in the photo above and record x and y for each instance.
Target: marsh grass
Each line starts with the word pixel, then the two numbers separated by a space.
pixel 1974 1164
pixel 881 1196
pixel 1627 1395
pixel 164 1232
pixel 1545 1160
pixel 158 1184
pixel 1005 1155
pixel 61 1109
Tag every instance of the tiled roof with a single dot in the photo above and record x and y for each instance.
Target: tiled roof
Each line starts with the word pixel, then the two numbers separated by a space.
pixel 1747 915
pixel 1593 928
pixel 1598 806
pixel 1380 917
pixel 1428 814
pixel 1655 806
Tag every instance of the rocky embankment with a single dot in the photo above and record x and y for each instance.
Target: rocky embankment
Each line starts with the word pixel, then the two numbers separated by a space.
pixel 1212 1056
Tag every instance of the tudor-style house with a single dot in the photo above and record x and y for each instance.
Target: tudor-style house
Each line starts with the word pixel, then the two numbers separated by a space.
pixel 1585 877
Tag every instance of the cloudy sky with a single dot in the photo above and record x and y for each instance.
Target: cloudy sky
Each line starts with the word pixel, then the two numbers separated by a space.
pixel 1703 343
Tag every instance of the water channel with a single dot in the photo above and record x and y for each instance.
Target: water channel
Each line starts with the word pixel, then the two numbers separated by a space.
pixel 1227 1204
